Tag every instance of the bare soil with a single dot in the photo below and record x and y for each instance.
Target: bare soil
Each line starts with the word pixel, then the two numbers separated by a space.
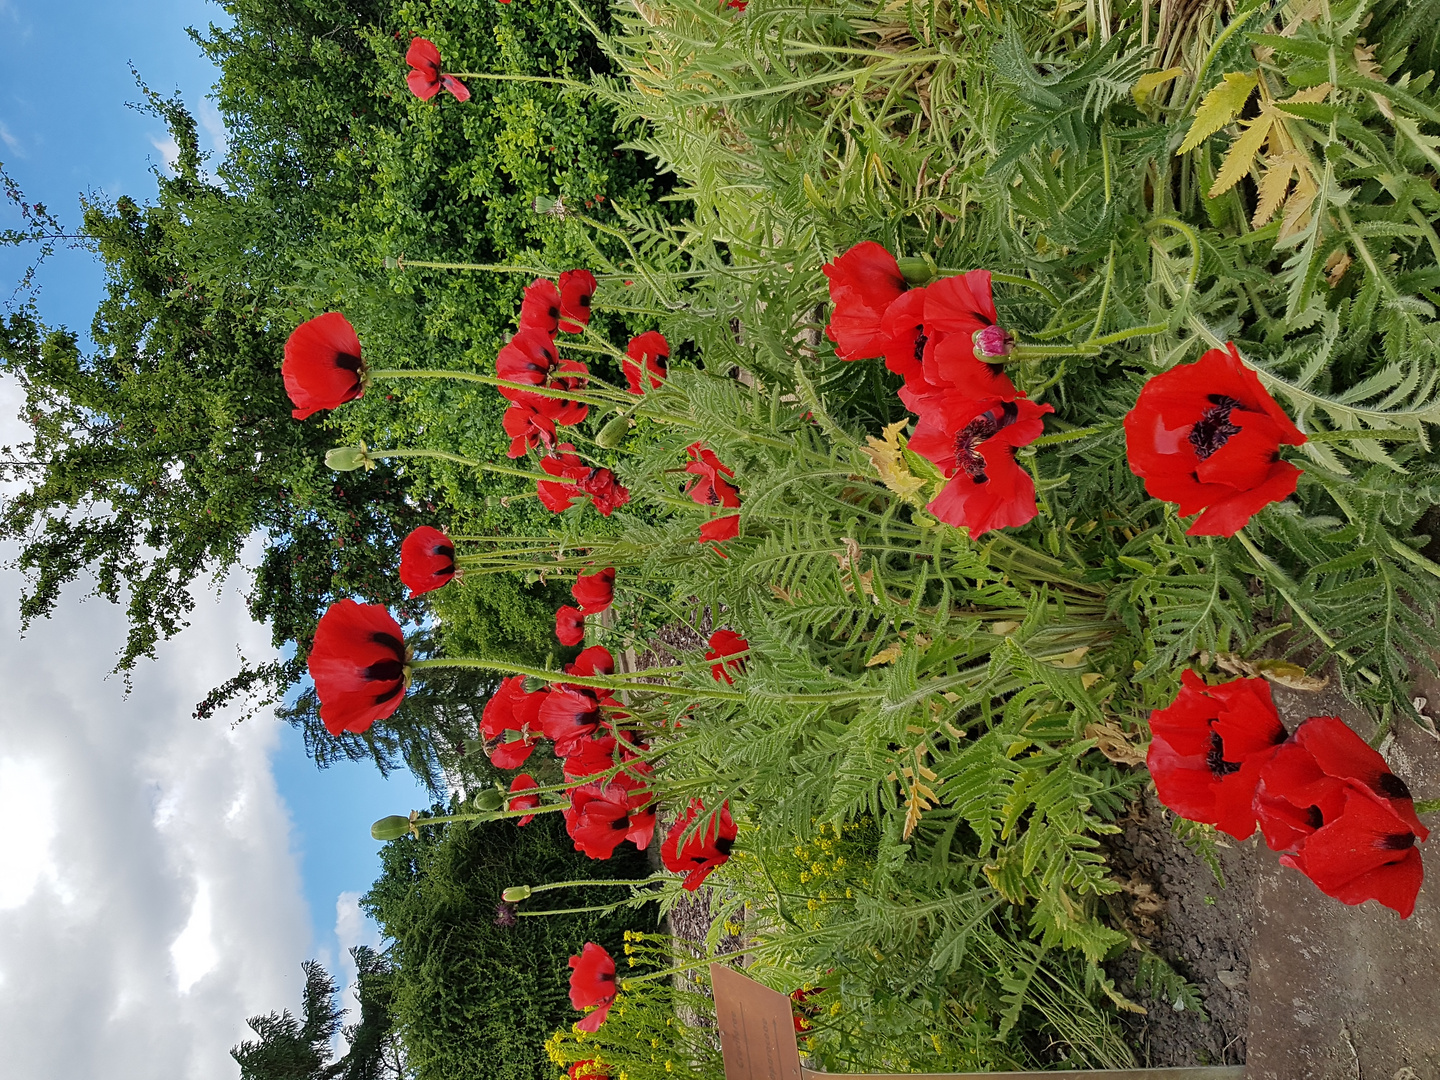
pixel 1176 908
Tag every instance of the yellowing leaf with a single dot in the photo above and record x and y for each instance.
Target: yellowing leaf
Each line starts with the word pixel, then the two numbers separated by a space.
pixel 1000 629
pixel 1072 658
pixel 1146 84
pixel 1336 265
pixel 1242 153
pixel 1221 105
pixel 1111 742
pixel 1090 678
pixel 887 655
pixel 1297 206
pixel 1275 184
pixel 888 456
pixel 1311 95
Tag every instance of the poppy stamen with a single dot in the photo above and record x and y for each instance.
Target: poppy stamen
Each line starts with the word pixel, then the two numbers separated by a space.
pixel 1213 429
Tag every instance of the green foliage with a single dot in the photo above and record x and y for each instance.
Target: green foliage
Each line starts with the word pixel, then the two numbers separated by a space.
pixel 299 1049
pixel 475 997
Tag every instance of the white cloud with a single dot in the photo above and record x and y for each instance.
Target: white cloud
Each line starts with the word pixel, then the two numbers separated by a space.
pixel 8 139
pixel 193 952
pixel 27 827
pixel 169 150
pixel 214 125
pixel 151 892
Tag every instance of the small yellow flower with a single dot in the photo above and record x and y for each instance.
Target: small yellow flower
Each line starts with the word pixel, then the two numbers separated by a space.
pixel 629 949
pixel 654 1043
pixel 813 905
pixel 849 895
pixel 839 861
pixel 669 1065
pixel 630 960
pixel 799 852
pixel 835 1008
pixel 804 876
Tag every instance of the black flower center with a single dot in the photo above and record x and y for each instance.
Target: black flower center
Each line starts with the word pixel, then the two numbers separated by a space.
pixel 1400 841
pixel 920 340
pixel 1213 429
pixel 1391 786
pixel 1314 817
pixel 1216 758
pixel 724 845
pixel 348 362
pixel 968 458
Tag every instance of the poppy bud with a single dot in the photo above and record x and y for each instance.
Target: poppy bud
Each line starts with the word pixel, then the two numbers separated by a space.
pixel 534 684
pixel 614 432
pixel 390 828
pixel 348 458
pixel 917 269
pixel 515 894
pixel 993 342
pixel 488 799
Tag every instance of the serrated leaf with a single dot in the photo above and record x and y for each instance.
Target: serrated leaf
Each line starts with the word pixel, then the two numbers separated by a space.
pixel 1147 83
pixel 1220 106
pixel 1274 185
pixel 1242 153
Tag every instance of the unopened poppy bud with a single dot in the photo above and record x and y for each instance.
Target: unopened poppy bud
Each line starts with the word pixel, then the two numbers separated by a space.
pixel 390 828
pixel 533 685
pixel 917 269
pixel 993 343
pixel 613 433
pixel 392 263
pixel 348 458
pixel 515 894
pixel 488 799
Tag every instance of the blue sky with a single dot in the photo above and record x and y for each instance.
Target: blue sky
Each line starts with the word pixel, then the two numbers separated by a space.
pixel 66 130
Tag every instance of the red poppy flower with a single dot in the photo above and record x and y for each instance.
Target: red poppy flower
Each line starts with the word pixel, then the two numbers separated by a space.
pixel 596 660
pixel 589 757
pixel 523 782
pixel 360 665
pixel 908 340
pixel 705 848
pixel 529 357
pixel 527 427
pixel 594 592
pixel 569 715
pixel 726 643
pixel 1207 436
pixel 647 359
pixel 569 625
pixel 585 1070
pixel 953 367
pixel 863 283
pixel 577 287
pixel 322 367
pixel 710 488
pixel 1342 818
pixel 717 530
pixel 1209 747
pixel 598 819
pixel 425 78
pixel 607 493
pixel 599 484
pixel 738 5
pixel 592 985
pixel 540 309
pixel 974 444
pixel 511 708
pixel 427 560
pixel 800 1009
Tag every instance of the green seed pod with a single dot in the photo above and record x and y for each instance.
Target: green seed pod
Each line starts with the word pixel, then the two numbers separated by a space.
pixel 390 828
pixel 488 799
pixel 917 269
pixel 348 459
pixel 614 432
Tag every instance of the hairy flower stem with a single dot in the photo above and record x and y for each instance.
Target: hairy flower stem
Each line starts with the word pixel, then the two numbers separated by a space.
pixel 629 682
pixel 445 455
pixel 603 401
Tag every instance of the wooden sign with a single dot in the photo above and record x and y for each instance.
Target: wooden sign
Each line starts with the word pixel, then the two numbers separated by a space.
pixel 757 1040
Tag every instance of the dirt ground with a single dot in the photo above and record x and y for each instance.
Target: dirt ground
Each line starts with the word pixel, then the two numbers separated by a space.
pixel 1177 909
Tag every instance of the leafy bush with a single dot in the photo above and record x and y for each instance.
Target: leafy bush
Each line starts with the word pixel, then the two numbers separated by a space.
pixel 474 997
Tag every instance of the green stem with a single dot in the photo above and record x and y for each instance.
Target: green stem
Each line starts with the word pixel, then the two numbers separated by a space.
pixel 628 682
pixel 1012 279
pixel 445 455
pixel 1024 352
pixel 1427 806
pixel 493 77
pixel 1126 335
pixel 491 380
